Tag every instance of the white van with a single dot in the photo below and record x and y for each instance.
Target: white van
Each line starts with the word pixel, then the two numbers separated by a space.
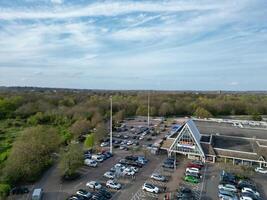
pixel 90 163
pixel 97 158
pixel 37 194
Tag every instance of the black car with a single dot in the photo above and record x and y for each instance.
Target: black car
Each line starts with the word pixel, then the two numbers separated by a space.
pixel 168 165
pixel 105 193
pixel 132 158
pixel 135 164
pixel 185 194
pixel 98 196
pixel 245 183
pixel 19 190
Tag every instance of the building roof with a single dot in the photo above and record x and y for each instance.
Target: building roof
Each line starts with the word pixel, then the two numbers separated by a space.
pixel 167 143
pixel 208 149
pixel 237 155
pixel 194 130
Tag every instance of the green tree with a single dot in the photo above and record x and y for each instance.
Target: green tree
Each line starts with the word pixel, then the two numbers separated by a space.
pixel 89 141
pixel 202 113
pixel 71 159
pixel 100 133
pixel 80 127
pixel 119 116
pixel 256 117
pixel 4 190
pixel 31 153
pixel 165 109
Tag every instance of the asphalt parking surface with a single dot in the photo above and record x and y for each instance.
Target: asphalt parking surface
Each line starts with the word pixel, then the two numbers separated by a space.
pixel 211 182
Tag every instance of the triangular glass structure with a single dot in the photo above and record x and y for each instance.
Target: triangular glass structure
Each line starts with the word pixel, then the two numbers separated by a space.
pixel 188 141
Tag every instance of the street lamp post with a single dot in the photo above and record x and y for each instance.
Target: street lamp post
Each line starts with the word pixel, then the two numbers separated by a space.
pixel 148 109
pixel 110 124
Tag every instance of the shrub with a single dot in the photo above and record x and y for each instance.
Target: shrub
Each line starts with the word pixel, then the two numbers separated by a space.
pixel 4 190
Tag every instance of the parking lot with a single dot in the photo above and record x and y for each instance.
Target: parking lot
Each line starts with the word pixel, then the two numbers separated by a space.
pixel 212 180
pixel 125 139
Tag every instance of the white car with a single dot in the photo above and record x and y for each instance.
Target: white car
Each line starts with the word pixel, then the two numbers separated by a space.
pixel 150 188
pixel 135 169
pixel 109 175
pixel 227 187
pixel 244 197
pixel 84 193
pixel 94 185
pixel 261 170
pixel 192 170
pixel 114 185
pixel 118 165
pixel 104 144
pixel 90 163
pixel 129 142
pixel 158 177
pixel 250 190
pixel 127 171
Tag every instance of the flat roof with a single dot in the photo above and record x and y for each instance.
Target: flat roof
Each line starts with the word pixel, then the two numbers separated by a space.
pixel 208 128
pixel 232 143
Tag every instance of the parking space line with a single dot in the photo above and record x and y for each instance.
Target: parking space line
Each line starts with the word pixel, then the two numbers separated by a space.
pixel 203 182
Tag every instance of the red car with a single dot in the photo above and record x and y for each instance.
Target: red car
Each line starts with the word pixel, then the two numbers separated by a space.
pixel 190 165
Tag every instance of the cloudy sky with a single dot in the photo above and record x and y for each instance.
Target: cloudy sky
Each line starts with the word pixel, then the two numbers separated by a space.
pixel 134 44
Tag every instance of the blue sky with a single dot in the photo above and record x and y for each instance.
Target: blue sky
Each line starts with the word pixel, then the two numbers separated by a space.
pixel 134 44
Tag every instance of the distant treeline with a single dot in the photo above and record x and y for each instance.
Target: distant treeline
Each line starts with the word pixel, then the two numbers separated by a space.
pixel 52 106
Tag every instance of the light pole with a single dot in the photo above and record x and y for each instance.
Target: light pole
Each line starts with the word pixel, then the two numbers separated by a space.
pixel 148 109
pixel 110 124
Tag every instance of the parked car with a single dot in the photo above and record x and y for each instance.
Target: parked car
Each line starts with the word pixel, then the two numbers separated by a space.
pixel 168 165
pixel 19 190
pixel 245 183
pixel 104 144
pixel 191 179
pixel 108 154
pixel 185 194
pixel 250 190
pixel 94 185
pixel 196 175
pixel 109 175
pixel 37 194
pixel 227 187
pixel 198 162
pixel 261 170
pixel 150 188
pixel 84 193
pixel 105 193
pixel 249 196
pixel 90 163
pixel 113 185
pixel 192 170
pixel 97 158
pixel 192 165
pixel 158 177
pixel 128 172
pixel 76 197
pixel 227 195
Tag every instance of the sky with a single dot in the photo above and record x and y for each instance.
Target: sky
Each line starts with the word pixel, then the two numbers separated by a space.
pixel 134 44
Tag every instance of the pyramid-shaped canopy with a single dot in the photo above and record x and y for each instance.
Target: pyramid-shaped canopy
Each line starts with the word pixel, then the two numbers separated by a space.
pixel 188 140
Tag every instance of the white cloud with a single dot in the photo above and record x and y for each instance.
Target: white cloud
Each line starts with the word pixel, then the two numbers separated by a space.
pixel 110 8
pixel 57 1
